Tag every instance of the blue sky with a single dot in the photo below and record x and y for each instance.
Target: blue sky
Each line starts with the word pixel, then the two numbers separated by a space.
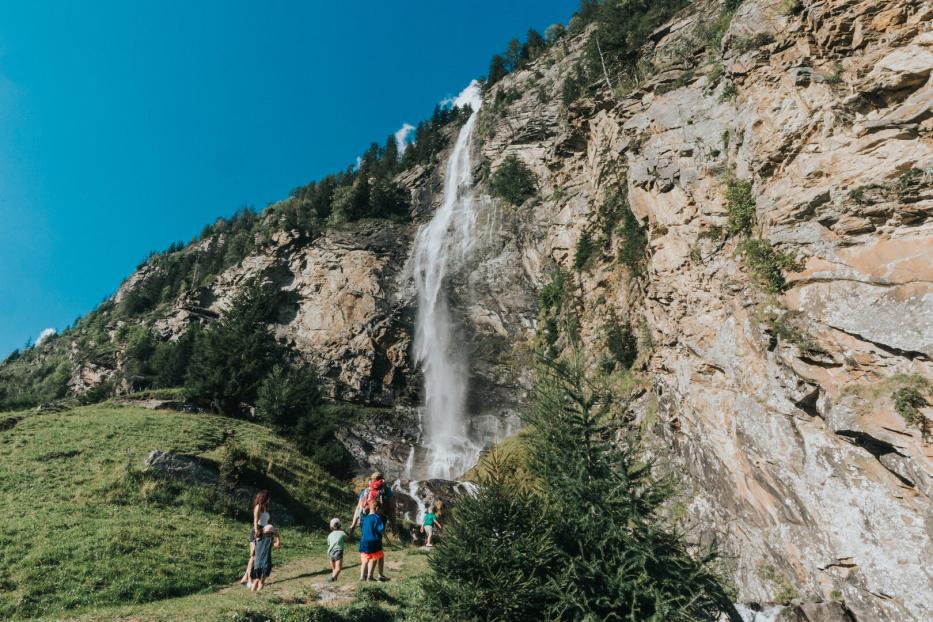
pixel 125 126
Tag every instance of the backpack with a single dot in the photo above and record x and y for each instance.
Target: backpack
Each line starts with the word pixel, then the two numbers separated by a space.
pixel 376 491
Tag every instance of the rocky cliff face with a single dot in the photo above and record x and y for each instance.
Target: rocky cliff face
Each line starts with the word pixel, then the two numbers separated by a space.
pixel 777 406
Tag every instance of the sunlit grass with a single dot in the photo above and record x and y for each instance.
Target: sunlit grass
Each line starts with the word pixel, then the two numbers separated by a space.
pixel 80 532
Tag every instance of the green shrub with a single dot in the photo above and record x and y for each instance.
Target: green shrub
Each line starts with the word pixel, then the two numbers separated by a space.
pixel 551 295
pixel 740 206
pixel 585 250
pixel 633 238
pixel 757 40
pixel 857 195
pixel 790 7
pixel 907 180
pixel 907 403
pixel 33 378
pixel 711 32
pixel 789 326
pixel 621 343
pixel 287 394
pixel 234 465
pixel 728 91
pixel 767 264
pixel 784 591
pixel 714 77
pixel 315 436
pixel 513 181
pixel 573 86
pixel 835 78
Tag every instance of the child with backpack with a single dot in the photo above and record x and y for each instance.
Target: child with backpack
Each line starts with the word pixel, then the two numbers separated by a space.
pixel 335 542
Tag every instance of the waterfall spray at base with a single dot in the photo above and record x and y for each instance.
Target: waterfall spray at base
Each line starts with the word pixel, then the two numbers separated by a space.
pixel 442 242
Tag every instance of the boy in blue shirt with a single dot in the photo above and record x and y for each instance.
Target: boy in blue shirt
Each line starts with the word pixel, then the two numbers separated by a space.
pixel 371 529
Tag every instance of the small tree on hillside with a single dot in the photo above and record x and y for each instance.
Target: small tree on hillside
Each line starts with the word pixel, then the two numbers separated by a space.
pixel 287 394
pixel 233 355
pixel 513 181
pixel 497 70
pixel 496 556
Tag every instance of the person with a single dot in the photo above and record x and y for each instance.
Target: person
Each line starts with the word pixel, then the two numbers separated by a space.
pixel 335 542
pixel 371 554
pixel 260 510
pixel 267 539
pixel 376 490
pixel 427 525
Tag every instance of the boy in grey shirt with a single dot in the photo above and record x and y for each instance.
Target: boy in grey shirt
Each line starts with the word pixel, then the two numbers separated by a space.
pixel 335 541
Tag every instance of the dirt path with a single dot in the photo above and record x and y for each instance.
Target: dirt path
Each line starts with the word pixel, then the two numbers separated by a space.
pixel 299 583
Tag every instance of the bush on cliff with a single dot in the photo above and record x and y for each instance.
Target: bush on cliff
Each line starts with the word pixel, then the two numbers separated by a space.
pixel 740 206
pixel 513 181
pixel 767 263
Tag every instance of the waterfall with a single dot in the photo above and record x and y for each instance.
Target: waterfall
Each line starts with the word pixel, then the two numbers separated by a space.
pixel 441 243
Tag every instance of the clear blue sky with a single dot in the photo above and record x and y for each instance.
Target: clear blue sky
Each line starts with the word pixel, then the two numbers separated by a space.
pixel 125 126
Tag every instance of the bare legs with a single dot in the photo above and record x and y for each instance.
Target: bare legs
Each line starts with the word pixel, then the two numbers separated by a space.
pixel 249 565
pixel 336 565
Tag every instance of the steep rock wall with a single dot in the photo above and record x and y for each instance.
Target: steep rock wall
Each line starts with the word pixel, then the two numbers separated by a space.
pixel 795 456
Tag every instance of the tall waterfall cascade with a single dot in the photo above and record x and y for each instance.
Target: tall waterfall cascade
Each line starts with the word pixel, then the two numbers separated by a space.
pixel 442 244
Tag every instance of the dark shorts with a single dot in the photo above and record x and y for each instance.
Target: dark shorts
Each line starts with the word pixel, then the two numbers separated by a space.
pixel 336 556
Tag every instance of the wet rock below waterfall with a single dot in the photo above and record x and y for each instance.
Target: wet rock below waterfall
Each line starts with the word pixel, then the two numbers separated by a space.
pixel 413 497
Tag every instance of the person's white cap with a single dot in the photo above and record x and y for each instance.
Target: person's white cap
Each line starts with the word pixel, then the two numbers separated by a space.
pixel 334 523
pixel 268 528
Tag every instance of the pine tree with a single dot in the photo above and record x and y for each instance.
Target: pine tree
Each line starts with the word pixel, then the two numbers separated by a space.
pixel 232 356
pixel 496 555
pixel 604 499
pixel 534 44
pixel 497 70
pixel 513 56
pixel 170 360
pixel 287 394
pixel 390 157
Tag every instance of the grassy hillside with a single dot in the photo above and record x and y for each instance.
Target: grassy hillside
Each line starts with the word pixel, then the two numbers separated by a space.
pixel 85 526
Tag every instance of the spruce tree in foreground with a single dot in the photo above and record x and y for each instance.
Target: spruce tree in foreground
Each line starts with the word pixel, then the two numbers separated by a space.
pixel 496 556
pixel 620 561
pixel 586 541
